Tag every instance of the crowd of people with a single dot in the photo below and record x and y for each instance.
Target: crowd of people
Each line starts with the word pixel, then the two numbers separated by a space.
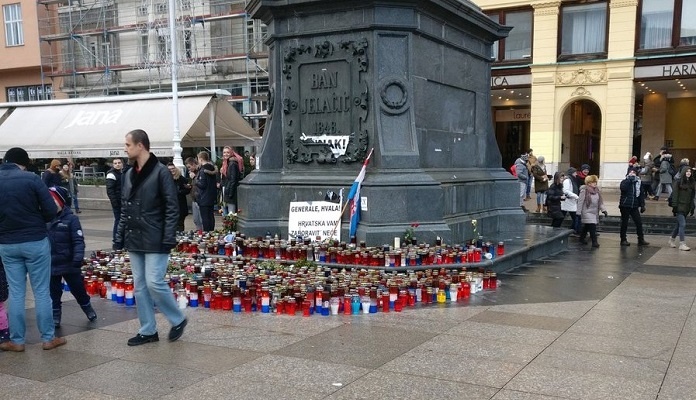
pixel 41 237
pixel 575 193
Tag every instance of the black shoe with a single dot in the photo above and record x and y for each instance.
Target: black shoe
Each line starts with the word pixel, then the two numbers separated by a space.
pixel 595 244
pixel 625 243
pixel 642 242
pixel 89 312
pixel 139 339
pixel 78 211
pixel 176 331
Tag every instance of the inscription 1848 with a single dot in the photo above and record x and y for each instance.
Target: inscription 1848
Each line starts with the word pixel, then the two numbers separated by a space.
pixel 325 102
pixel 325 98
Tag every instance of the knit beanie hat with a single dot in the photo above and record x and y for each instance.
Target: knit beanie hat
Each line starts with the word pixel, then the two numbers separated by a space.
pixel 60 195
pixel 585 167
pixel 18 156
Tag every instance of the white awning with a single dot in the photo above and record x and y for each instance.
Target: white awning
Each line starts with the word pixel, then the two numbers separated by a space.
pixel 96 127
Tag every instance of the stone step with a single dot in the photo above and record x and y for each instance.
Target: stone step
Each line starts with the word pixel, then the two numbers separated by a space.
pixel 652 225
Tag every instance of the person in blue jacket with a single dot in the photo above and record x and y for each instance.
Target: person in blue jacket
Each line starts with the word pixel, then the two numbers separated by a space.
pixel 67 253
pixel 24 247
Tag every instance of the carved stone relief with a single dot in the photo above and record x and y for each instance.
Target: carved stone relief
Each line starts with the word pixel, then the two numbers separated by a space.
pixel 580 91
pixel 325 102
pixel 547 8
pixel 581 77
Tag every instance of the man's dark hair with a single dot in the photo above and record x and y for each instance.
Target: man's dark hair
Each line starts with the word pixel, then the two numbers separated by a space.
pixel 191 161
pixel 139 136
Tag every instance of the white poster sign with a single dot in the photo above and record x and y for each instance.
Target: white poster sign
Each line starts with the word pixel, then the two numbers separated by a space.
pixel 315 219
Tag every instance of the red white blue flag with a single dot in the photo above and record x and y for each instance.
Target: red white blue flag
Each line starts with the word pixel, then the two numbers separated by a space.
pixel 354 197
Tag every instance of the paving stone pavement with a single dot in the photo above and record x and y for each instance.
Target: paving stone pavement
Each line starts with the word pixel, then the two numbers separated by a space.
pixel 608 323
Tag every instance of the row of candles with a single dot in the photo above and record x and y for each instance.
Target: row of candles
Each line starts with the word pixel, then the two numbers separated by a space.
pixel 401 254
pixel 267 287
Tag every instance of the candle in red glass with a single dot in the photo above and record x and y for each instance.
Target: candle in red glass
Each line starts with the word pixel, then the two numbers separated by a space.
pixel 280 306
pixel 501 249
pixel 102 288
pixel 494 280
pixel 466 289
pixel 398 305
pixel 346 305
pixel 246 302
pixel 290 306
pixel 477 255
pixel 227 301
pixel 486 280
pixel 306 308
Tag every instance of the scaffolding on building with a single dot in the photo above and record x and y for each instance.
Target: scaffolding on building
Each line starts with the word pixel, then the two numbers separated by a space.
pixel 113 47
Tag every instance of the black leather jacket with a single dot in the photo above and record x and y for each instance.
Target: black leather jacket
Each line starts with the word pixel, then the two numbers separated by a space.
pixel 150 209
pixel 113 187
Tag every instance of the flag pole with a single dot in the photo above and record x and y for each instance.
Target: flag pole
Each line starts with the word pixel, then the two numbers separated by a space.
pixel 348 201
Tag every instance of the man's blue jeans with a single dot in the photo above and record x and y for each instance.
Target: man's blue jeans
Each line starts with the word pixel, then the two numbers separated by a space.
pixel 150 289
pixel 34 259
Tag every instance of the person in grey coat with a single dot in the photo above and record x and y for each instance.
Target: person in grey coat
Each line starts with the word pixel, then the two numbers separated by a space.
pixel 665 177
pixel 646 173
pixel 522 177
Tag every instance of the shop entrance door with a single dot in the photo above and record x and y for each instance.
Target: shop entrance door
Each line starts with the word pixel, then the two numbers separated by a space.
pixel 513 139
pixel 582 133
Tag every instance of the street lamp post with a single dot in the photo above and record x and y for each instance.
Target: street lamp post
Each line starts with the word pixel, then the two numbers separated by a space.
pixel 176 135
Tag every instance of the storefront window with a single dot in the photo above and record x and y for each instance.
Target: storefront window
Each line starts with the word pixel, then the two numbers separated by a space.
pixel 518 44
pixel 688 24
pixel 584 29
pixel 662 19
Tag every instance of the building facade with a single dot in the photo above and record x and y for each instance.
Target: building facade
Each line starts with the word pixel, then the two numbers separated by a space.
pixel 84 48
pixel 20 52
pixel 595 81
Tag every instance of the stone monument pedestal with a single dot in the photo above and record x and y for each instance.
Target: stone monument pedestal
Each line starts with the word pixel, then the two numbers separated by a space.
pixel 409 79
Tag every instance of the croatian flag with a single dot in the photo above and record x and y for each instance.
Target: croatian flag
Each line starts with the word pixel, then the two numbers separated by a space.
pixel 354 197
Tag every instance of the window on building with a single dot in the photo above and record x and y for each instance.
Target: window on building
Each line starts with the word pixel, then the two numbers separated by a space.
pixel 667 24
pixel 584 29
pixel 143 48
pixel 28 93
pixel 163 49
pixel 687 33
pixel 518 44
pixel 14 32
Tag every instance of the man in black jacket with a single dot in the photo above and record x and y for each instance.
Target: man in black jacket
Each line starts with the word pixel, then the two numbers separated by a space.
pixel 206 190
pixel 113 190
pixel 147 229
pixel 631 204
